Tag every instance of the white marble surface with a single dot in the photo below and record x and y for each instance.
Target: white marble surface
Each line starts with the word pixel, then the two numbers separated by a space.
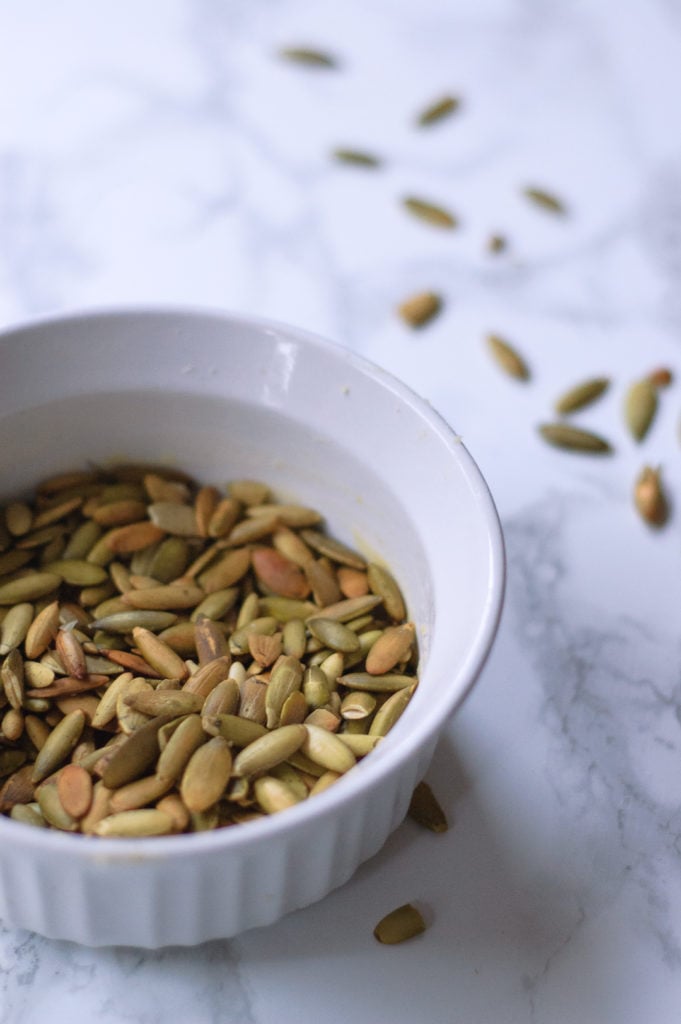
pixel 159 151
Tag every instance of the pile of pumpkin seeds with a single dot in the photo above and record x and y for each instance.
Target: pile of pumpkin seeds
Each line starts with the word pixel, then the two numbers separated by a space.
pixel 177 658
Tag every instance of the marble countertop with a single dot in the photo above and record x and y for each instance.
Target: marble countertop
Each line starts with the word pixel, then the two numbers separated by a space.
pixel 154 152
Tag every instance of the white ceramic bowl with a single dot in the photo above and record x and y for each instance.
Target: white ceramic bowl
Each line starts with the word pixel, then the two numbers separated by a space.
pixel 227 397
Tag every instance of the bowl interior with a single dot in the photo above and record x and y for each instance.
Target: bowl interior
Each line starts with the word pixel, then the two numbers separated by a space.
pixel 225 398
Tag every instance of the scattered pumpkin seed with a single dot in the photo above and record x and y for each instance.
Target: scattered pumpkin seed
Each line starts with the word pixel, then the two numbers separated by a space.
pixel 438 110
pixel 419 309
pixel 308 57
pixel 563 435
pixel 640 407
pixel 650 498
pixel 429 212
pixel 581 395
pixel 545 200
pixel 356 157
pixel 507 357
pixel 399 925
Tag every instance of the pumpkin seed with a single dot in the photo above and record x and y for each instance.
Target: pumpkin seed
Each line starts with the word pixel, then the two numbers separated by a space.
pixel 438 110
pixel 425 809
pixel 399 925
pixel 438 216
pixel 356 157
pixel 640 407
pixel 563 435
pixel 507 357
pixel 419 309
pixel 650 498
pixel 310 58
pixel 545 200
pixel 581 395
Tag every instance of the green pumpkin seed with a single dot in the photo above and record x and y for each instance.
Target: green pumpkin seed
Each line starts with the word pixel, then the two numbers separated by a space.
pixel 562 435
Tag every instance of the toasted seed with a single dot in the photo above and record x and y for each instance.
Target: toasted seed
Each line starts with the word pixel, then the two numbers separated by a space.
pixel 387 683
pixel 236 729
pixel 29 588
pixel 137 823
pixel 224 517
pixel 356 157
pixel 206 776
pixel 351 608
pixel 581 395
pixel 68 686
pixel 158 654
pixel 274 795
pixel 399 925
pixel 165 598
pixel 14 626
pixel 228 570
pixel 174 518
pixel 323 582
pixel 211 642
pixel 172 805
pixel 206 678
pixel 264 649
pixel 187 737
pixel 279 575
pixel 71 653
pixel 126 621
pixel 333 549
pixel 74 786
pixel 164 702
pixel 287 676
pixel 294 709
pixel 11 761
pixel 333 634
pixel 359 743
pixel 42 631
pixel 138 794
pixel 316 688
pixel 327 750
pixel 291 545
pixel 293 638
pixel 58 745
pixel 273 748
pixel 310 58
pixel 425 810
pixel 250 530
pixel 545 200
pixel 223 699
pixel 357 705
pixel 285 608
pixel 390 648
pixel 650 498
pixel 135 755
pixel 133 537
pixel 181 638
pixel 389 712
pixel 640 407
pixel 384 585
pixel 28 814
pixel 18 788
pixel 52 810
pixel 563 435
pixel 158 488
pixel 11 561
pixel 438 216
pixel 438 110
pixel 216 605
pixel 120 513
pixel 507 357
pixel 12 678
pixel 18 518
pixel 170 559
